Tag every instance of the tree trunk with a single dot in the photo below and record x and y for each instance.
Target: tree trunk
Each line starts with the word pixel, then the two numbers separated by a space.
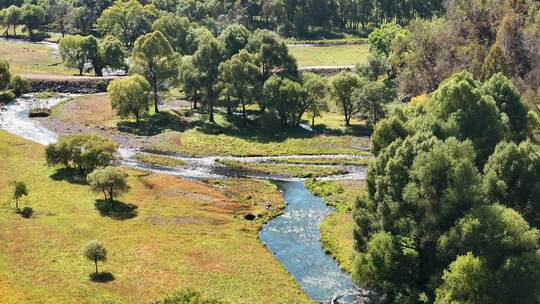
pixel 95 262
pixel 17 205
pixel 244 116
pixel 156 97
pixel 14 29
pixel 80 71
pixel 313 121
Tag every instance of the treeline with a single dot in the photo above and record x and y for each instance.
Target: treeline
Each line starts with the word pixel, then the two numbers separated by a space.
pixel 294 18
pixel 483 37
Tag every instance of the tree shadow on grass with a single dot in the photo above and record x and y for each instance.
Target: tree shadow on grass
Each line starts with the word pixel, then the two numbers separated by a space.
pixel 155 124
pixel 101 277
pixel 64 174
pixel 116 210
pixel 257 130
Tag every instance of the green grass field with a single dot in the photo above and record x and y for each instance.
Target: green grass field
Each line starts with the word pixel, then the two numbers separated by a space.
pixel 32 58
pixel 337 228
pixel 166 235
pixel 289 170
pixel 337 55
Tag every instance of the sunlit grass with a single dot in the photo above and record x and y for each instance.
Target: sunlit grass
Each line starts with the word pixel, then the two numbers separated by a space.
pixel 304 171
pixel 338 55
pixel 182 234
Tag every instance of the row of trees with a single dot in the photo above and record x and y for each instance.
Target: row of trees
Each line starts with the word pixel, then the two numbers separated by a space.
pixel 30 15
pixel 453 200
pixel 236 69
pixel 132 18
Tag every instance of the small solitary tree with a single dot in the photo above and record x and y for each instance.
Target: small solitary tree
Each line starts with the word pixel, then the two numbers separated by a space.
pixel 129 96
pixel 343 87
pixel 110 181
pixel 95 251
pixel 19 190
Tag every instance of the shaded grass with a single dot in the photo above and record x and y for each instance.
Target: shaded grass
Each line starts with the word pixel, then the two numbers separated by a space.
pixel 336 55
pixel 185 235
pixel 303 171
pixel 337 228
pixel 159 160
pixel 228 137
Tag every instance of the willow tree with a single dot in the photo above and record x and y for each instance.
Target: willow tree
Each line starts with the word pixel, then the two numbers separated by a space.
pixel 153 58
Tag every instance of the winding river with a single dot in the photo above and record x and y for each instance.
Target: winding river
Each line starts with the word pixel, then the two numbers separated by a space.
pixel 293 238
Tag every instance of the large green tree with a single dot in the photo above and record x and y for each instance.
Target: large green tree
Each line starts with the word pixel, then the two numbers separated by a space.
pixel 126 20
pixel 240 79
pixel 206 60
pixel 155 59
pixel 343 87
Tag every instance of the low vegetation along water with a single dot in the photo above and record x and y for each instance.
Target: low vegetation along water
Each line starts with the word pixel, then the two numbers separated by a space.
pixel 293 237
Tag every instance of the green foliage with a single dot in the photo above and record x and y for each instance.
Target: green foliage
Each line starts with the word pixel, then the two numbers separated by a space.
pixel 82 152
pixel 372 99
pixel 95 251
pixel 6 96
pixel 384 266
pixel 154 57
pixel 112 52
pixel 509 102
pixel 19 85
pixel 380 40
pixel 343 87
pixel 206 61
pixel 425 191
pixel 386 132
pixel 512 177
pixel 234 38
pixel 110 181
pixel 460 109
pixel 176 29
pixel 33 17
pixel 19 190
pixel 287 98
pixel 468 280
pixel 316 95
pixel 126 20
pixel 129 96
pixel 13 16
pixel 188 296
pixel 240 78
pixel 73 52
pixel 5 74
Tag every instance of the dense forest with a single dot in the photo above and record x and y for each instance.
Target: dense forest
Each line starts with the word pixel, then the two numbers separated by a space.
pixel 294 18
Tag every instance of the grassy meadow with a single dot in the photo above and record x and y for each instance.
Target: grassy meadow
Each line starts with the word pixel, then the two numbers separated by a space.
pixel 32 58
pixel 164 235
pixel 337 228
pixel 334 55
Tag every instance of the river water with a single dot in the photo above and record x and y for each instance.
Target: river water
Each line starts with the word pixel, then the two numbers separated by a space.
pixel 293 238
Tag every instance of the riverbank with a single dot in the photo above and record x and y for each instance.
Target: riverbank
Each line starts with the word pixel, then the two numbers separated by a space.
pixel 338 227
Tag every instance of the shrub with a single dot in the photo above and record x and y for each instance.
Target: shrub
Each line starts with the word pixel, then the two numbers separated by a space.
pixel 6 96
pixel 27 212
pixel 19 85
